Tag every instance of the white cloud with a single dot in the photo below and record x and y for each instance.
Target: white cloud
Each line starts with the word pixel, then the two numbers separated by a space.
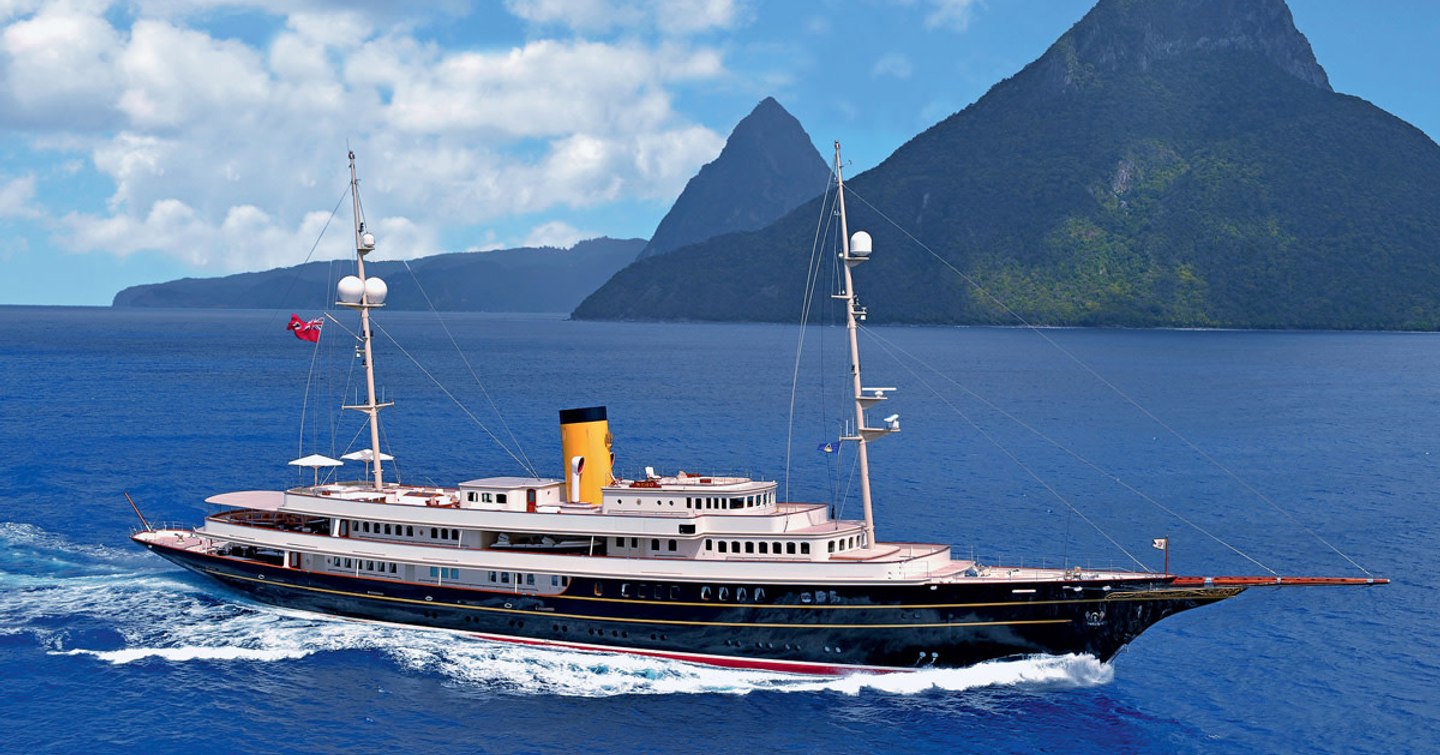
pixel 894 65
pixel 58 67
pixel 224 154
pixel 556 233
pixel 668 17
pixel 17 198
pixel 954 15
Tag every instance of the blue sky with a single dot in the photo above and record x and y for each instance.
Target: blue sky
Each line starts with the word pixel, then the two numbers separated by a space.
pixel 149 140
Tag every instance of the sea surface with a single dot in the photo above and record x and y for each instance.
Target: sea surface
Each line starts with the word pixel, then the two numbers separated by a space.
pixel 1279 444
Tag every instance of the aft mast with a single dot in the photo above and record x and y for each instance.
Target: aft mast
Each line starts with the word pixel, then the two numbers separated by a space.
pixel 363 294
pixel 855 251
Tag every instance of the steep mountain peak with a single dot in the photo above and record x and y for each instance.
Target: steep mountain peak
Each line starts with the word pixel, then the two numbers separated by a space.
pixel 768 167
pixel 1128 35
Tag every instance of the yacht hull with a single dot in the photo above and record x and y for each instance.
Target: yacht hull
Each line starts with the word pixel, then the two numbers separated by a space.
pixel 827 629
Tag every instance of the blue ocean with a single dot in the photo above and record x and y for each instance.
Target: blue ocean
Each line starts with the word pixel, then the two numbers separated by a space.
pixel 1298 452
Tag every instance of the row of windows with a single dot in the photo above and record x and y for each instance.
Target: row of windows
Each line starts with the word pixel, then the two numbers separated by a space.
pixel 670 545
pixel 762 547
pixel 474 497
pixel 644 591
pixel 404 530
pixel 379 567
pixel 445 572
pixel 712 502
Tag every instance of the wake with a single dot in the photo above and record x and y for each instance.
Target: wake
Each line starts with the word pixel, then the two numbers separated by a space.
pixel 124 608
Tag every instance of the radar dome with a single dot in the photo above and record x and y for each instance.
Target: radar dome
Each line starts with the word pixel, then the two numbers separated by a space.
pixel 375 291
pixel 367 241
pixel 350 289
pixel 859 244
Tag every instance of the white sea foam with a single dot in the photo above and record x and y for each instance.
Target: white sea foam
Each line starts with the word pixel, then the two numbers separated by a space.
pixel 159 617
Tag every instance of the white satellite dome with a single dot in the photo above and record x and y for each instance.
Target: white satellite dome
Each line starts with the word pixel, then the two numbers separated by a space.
pixel 367 241
pixel 350 289
pixel 375 291
pixel 859 244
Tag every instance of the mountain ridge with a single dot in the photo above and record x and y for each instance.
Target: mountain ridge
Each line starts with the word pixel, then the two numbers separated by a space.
pixel 1124 177
pixel 768 167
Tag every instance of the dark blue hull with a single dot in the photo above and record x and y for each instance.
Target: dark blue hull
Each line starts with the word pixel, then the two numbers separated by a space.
pixel 792 627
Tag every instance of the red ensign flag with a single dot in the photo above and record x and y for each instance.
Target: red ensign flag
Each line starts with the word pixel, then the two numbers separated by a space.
pixel 305 331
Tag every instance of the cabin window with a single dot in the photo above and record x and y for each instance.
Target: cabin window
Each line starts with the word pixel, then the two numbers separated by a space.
pixel 789 549
pixel 742 595
pixel 654 544
pixel 687 529
pixel 501 498
pixel 505 577
pixel 832 546
pixel 393 569
pixel 722 545
pixel 764 548
pixel 705 592
pixel 409 531
pixel 734 503
pixel 529 579
pixel 759 594
pixel 472 496
pixel 634 542
pixel 775 549
pixel 709 545
pixel 434 534
pixel 724 593
pixel 674 592
pixel 670 545
pixel 387 530
pixel 454 534
pixel 494 577
pixel 641 591
pixel 734 546
pixel 619 542
pixel 819 596
pixel 804 549
pixel 624 589
pixel 749 547
pixel 805 597
pixel 599 589
pixel 348 563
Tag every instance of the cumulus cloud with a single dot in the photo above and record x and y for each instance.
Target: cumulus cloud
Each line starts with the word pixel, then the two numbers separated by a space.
pixel 230 154
pixel 17 198
pixel 670 17
pixel 954 15
pixel 894 65
pixel 557 234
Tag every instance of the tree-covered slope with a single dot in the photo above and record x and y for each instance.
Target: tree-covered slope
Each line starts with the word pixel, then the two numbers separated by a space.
pixel 1166 162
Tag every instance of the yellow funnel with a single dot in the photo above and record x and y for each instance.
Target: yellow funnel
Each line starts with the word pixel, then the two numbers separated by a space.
pixel 585 435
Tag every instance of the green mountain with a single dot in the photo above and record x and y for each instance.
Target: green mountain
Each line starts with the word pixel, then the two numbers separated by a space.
pixel 511 280
pixel 1164 163
pixel 769 167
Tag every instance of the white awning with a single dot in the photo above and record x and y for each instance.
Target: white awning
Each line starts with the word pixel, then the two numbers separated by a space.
pixel 317 461
pixel 366 454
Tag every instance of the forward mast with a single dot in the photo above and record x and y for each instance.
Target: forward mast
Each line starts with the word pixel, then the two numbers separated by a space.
pixel 364 294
